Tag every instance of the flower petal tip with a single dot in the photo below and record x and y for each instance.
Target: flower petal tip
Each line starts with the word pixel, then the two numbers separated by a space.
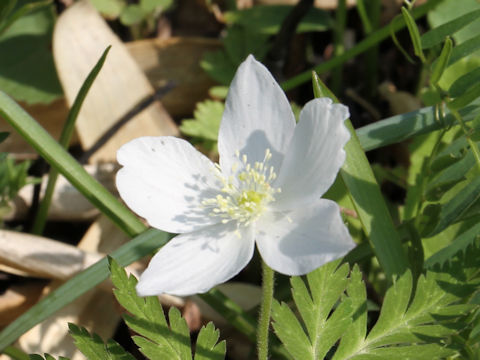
pixel 143 290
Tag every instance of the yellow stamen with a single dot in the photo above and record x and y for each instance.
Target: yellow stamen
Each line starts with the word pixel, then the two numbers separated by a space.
pixel 246 199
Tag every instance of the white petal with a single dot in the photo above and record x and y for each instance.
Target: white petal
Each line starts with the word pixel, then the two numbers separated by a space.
pixel 257 116
pixel 300 241
pixel 315 154
pixel 195 262
pixel 164 179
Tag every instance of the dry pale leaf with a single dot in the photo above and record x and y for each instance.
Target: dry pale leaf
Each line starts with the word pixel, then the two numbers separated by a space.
pixel 80 37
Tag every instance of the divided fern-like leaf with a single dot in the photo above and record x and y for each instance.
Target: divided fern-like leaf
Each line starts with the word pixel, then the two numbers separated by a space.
pixel 155 338
pixel 414 323
pixel 320 328
pixel 93 347
pixel 207 347
pixel 352 339
pixel 206 121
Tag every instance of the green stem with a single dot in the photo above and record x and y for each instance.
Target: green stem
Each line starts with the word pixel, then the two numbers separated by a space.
pixel 372 40
pixel 371 56
pixel 339 49
pixel 364 18
pixel 265 310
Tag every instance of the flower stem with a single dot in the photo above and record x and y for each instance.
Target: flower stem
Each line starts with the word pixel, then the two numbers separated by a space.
pixel 265 310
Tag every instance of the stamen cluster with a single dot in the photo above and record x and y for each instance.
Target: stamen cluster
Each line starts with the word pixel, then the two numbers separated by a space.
pixel 245 194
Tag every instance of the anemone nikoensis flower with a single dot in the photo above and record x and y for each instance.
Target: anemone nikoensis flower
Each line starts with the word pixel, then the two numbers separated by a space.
pixel 266 190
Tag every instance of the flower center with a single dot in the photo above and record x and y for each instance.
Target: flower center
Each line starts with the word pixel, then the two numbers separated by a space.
pixel 246 193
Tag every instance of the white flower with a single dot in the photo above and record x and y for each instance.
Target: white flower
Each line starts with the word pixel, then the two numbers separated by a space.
pixel 266 190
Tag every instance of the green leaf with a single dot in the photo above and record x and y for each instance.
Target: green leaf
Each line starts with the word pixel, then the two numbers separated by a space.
pixel 93 347
pixel 323 326
pixel 208 347
pixel 439 33
pixel 454 151
pixel 401 127
pixel 180 335
pixel 455 71
pixel 218 66
pixel 117 352
pixel 25 9
pixel 239 42
pixel 206 121
pixel 413 328
pixel 414 33
pixel 448 10
pixel 394 307
pixel 352 339
pixel 442 62
pixel 27 71
pixel 455 209
pixel 464 49
pixel 36 357
pixel 13 176
pixel 156 340
pixel 151 5
pixel 461 243
pixel 267 19
pixel 464 82
pixel 421 149
pixel 218 92
pixel 109 8
pixel 413 324
pixel 132 14
pixel 449 176
pixel 242 41
pixel 466 98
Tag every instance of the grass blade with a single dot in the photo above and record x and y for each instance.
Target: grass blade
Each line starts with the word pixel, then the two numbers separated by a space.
pixel 64 141
pixel 402 127
pixel 61 160
pixel 368 200
pixel 25 9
